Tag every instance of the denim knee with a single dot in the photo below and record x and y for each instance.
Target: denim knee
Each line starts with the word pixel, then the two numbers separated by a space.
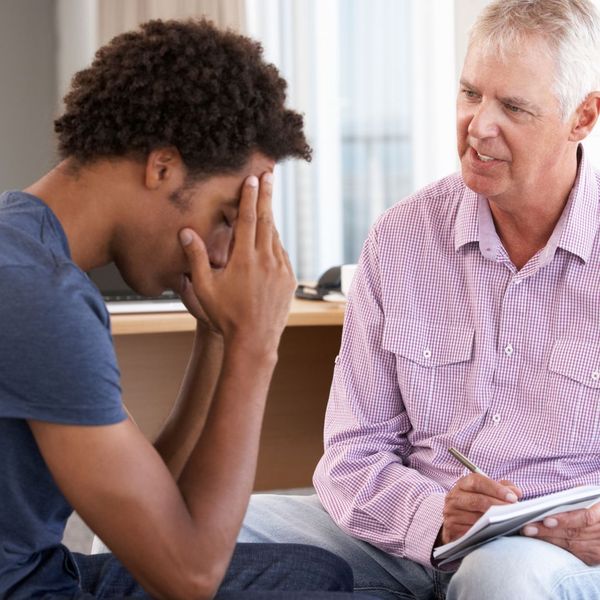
pixel 512 567
pixel 293 567
pixel 326 571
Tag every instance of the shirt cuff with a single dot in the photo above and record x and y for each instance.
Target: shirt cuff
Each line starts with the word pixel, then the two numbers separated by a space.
pixel 424 529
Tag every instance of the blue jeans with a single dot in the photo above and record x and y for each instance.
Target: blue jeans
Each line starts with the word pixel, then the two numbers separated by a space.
pixel 521 567
pixel 511 568
pixel 256 572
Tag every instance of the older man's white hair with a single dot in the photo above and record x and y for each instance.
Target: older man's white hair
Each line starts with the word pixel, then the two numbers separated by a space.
pixel 570 29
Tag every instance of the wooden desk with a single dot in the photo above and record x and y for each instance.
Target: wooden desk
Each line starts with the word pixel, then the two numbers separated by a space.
pixel 153 350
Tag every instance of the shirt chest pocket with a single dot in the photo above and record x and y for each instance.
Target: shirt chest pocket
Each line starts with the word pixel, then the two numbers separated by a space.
pixel 574 380
pixel 432 363
pixel 577 360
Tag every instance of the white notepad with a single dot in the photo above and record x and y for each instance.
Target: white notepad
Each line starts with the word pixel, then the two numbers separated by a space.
pixel 510 518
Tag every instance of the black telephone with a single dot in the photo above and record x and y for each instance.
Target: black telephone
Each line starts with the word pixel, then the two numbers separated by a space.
pixel 330 281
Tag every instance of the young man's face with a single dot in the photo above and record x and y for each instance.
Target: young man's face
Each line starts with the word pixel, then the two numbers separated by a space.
pixel 151 259
pixel 511 139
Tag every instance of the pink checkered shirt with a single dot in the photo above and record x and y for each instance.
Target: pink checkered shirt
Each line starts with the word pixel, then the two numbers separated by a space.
pixel 446 344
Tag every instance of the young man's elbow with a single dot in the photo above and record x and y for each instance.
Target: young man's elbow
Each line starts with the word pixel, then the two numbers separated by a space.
pixel 187 570
pixel 194 587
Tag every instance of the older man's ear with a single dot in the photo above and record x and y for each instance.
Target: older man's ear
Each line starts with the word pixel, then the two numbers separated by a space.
pixel 585 117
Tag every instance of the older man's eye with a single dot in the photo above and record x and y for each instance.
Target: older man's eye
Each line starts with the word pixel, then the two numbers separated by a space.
pixel 513 109
pixel 469 94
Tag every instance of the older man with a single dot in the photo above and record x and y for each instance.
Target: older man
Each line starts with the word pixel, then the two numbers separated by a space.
pixel 474 322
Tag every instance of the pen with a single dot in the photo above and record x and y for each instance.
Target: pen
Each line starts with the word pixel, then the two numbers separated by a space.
pixel 461 458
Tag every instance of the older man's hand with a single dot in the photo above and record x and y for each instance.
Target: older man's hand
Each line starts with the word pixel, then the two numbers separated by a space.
pixel 577 531
pixel 469 499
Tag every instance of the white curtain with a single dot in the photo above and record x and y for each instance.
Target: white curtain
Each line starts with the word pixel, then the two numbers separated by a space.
pixel 301 38
pixel 117 16
pixel 592 142
pixel 375 79
pixel 376 82
pixel 85 25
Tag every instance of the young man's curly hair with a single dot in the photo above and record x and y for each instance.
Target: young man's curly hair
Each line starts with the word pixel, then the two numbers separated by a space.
pixel 186 84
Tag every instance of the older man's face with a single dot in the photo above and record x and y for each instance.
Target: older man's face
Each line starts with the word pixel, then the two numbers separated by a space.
pixel 512 142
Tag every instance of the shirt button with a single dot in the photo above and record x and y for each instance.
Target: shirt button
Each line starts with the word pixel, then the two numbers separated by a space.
pixel 596 375
pixel 336 359
pixel 496 418
pixel 508 350
pixel 427 353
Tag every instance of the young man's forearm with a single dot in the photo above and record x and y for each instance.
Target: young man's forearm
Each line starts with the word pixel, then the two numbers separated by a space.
pixel 218 478
pixel 185 422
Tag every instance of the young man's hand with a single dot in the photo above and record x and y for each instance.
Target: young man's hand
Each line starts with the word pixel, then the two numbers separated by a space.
pixel 249 299
pixel 469 499
pixel 191 302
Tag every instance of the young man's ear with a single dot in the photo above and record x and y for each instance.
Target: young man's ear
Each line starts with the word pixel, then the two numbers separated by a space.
pixel 585 117
pixel 162 166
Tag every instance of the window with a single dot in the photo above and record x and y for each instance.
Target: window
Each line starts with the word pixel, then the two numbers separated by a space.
pixel 376 82
pixel 375 79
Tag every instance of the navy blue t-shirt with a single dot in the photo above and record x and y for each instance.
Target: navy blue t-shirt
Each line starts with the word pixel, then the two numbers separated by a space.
pixel 57 364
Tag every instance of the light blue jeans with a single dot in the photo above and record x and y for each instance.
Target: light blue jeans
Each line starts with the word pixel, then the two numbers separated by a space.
pixel 507 569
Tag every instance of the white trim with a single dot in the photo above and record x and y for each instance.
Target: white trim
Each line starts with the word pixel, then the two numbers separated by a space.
pixel 434 90
pixel 325 135
pixel 77 27
pixel 308 198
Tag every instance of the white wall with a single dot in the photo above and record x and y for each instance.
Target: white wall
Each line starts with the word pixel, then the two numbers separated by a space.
pixel 77 40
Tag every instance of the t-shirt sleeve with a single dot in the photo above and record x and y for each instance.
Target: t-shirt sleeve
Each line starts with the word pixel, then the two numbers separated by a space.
pixel 57 360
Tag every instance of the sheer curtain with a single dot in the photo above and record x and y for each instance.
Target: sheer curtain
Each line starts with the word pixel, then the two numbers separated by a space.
pixel 301 37
pixel 116 16
pixel 376 82
pixel 85 25
pixel 592 142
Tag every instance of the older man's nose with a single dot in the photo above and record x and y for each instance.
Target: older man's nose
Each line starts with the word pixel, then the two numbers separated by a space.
pixel 484 121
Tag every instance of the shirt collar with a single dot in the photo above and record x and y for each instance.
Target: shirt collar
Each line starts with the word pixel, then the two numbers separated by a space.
pixel 580 215
pixel 575 231
pixel 466 229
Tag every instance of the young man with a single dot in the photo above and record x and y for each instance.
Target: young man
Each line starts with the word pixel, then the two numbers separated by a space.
pixel 168 145
pixel 473 322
